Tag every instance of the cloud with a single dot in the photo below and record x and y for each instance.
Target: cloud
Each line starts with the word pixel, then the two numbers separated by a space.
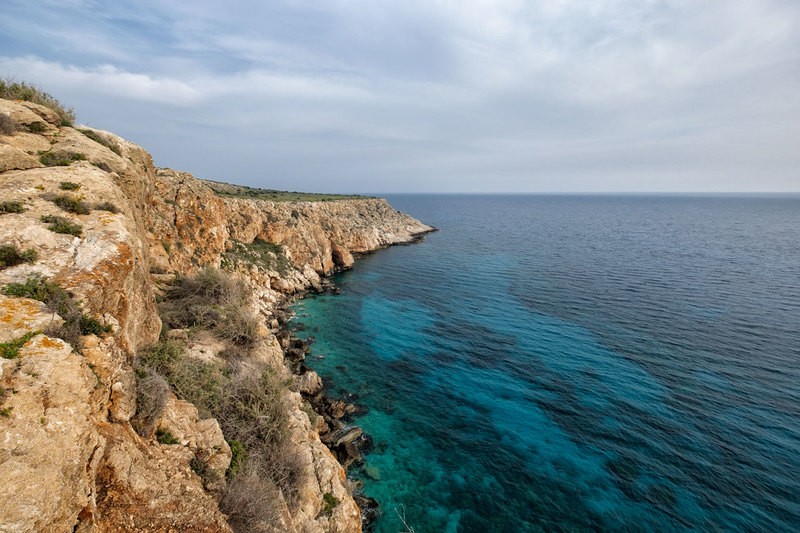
pixel 474 95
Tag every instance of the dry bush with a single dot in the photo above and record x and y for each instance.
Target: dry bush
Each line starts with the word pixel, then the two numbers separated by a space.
pixel 215 301
pixel 152 393
pixel 253 502
pixel 7 125
pixel 255 413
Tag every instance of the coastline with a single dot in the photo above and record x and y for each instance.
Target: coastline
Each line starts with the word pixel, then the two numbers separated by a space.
pixel 152 227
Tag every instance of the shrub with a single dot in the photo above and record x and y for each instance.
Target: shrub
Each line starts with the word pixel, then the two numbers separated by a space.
pixel 91 326
pixel 165 437
pixel 75 323
pixel 330 502
pixel 238 458
pixel 10 349
pixel 252 501
pixel 214 301
pixel 60 159
pixel 11 207
pixel 58 224
pixel 269 256
pixel 71 204
pixel 152 393
pixel 102 165
pixel 13 90
pixel 107 206
pixel 37 127
pixel 10 256
pixel 7 125
pixel 199 465
pixel 69 186
pixel 101 139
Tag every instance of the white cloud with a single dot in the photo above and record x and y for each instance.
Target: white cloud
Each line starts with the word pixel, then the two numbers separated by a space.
pixel 368 89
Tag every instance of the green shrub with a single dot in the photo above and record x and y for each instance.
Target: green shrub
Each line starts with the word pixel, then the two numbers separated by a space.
pixel 91 326
pixel 75 323
pixel 101 139
pixel 13 90
pixel 5 412
pixel 330 502
pixel 71 204
pixel 267 255
pixel 107 206
pixel 37 127
pixel 58 224
pixel 10 256
pixel 7 125
pixel 36 288
pixel 10 349
pixel 199 465
pixel 69 186
pixel 60 159
pixel 165 437
pixel 238 458
pixel 11 207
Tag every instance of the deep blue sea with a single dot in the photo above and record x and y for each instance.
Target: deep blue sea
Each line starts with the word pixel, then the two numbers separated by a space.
pixel 572 363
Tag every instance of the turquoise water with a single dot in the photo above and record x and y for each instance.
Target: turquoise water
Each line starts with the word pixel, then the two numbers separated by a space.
pixel 576 363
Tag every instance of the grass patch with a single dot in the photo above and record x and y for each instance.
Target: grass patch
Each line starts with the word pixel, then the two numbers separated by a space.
pixel 10 256
pixel 63 225
pixel 107 206
pixel 11 207
pixel 7 125
pixel 165 437
pixel 10 349
pixel 60 159
pixel 241 191
pixel 15 90
pixel 57 300
pixel 5 412
pixel 102 139
pixel 269 256
pixel 69 186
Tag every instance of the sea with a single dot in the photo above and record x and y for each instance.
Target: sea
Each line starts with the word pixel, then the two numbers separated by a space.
pixel 575 363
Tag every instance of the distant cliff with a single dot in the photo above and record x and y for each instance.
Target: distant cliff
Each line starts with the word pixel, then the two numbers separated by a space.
pixel 92 236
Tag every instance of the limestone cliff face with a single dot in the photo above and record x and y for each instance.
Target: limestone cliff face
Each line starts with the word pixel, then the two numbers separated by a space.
pixel 69 458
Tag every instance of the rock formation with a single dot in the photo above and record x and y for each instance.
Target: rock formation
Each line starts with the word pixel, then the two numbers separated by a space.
pixel 70 459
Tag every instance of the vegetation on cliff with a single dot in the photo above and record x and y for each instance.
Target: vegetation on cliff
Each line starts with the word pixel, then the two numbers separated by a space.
pixel 20 90
pixel 247 398
pixel 254 193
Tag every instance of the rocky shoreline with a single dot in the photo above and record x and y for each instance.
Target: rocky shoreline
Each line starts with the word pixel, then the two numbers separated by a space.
pixel 73 460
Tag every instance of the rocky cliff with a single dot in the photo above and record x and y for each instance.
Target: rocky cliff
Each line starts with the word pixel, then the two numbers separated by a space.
pixel 91 233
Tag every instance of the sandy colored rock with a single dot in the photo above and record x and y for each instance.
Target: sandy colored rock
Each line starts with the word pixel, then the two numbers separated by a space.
pixel 12 158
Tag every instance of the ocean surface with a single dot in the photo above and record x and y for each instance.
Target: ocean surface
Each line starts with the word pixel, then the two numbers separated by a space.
pixel 561 363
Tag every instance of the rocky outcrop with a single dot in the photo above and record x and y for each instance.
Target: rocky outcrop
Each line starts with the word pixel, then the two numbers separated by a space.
pixel 69 457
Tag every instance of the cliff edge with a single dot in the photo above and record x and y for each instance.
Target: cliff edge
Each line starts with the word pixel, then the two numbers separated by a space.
pixel 96 244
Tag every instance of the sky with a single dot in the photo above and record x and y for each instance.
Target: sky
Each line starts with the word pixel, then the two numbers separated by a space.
pixel 432 95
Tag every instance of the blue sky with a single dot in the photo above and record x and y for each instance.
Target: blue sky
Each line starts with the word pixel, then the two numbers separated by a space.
pixel 435 95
